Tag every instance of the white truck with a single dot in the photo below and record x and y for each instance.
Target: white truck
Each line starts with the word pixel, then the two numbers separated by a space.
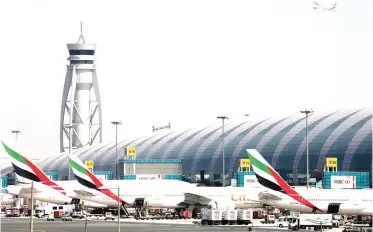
pixel 284 221
pixel 211 216
pixel 315 221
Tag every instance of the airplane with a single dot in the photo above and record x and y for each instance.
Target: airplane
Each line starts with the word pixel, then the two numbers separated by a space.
pixel 43 187
pixel 316 5
pixel 181 195
pixel 153 193
pixel 312 200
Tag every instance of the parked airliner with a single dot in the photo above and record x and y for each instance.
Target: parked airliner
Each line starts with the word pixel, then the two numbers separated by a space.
pixel 94 192
pixel 312 200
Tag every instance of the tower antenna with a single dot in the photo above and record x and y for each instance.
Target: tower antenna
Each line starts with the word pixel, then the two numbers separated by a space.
pixel 81 33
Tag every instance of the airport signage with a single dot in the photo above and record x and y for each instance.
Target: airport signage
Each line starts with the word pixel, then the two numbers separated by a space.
pixel 244 163
pixel 36 161
pixel 89 164
pixel 343 182
pixel 250 181
pixel 130 151
pixel 331 162
pixel 148 177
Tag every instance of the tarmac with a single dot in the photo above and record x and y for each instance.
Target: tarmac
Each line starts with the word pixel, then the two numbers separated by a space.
pixel 42 225
pixel 128 225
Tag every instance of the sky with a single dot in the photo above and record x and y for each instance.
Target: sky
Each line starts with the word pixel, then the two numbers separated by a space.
pixel 183 62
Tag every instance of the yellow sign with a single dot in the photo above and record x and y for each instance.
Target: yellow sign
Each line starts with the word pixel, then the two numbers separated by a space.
pixel 131 151
pixel 36 161
pixel 89 164
pixel 331 162
pixel 244 163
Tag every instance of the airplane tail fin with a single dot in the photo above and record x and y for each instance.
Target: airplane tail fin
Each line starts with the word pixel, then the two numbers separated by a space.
pixel 269 178
pixel 26 168
pixel 266 175
pixel 82 174
pixel 86 178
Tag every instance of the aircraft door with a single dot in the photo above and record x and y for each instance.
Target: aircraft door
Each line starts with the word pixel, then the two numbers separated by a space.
pixel 333 208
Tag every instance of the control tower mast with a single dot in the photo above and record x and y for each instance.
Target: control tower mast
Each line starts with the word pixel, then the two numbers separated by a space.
pixel 81 115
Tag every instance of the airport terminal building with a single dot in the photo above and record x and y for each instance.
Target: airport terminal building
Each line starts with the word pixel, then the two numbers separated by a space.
pixel 344 134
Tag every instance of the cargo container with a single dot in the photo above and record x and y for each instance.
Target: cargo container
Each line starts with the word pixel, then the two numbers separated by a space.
pixel 346 180
pixel 211 216
pixel 244 217
pixel 229 217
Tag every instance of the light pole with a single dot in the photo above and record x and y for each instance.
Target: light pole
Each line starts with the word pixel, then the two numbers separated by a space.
pixel 118 209
pixel 16 132
pixel 222 144
pixel 307 112
pixel 70 145
pixel 116 123
pixel 32 208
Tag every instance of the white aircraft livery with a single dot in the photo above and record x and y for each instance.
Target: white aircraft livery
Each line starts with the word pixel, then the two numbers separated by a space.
pixel 104 193
pixel 312 200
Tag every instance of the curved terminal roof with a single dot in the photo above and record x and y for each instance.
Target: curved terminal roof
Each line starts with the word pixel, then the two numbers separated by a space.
pixel 345 134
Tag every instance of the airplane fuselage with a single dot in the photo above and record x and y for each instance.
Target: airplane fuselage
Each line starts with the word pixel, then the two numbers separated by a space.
pixel 156 194
pixel 349 202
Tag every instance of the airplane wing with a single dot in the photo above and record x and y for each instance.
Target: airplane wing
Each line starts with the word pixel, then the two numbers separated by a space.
pixel 36 189
pixel 85 193
pixel 268 196
pixel 193 198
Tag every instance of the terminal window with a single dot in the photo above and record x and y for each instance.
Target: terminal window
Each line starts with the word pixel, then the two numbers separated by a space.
pixel 81 61
pixel 82 52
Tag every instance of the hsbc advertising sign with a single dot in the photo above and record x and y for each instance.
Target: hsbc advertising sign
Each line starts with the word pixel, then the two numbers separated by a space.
pixel 250 181
pixel 148 177
pixel 343 182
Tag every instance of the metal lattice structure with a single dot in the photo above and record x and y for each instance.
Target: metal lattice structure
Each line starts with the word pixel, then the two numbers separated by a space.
pixel 81 114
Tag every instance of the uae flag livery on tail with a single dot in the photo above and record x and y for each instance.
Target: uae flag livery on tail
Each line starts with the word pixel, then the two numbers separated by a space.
pixel 29 170
pixel 269 178
pixel 87 178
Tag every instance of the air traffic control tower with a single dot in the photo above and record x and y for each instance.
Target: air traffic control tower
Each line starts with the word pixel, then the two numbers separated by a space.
pixel 81 118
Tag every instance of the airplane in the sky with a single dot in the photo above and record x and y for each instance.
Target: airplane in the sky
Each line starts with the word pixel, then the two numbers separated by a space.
pixel 317 5
pixel 312 200
pixel 103 193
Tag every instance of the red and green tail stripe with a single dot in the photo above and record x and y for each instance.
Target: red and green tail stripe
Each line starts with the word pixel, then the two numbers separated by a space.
pixel 28 169
pixel 269 178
